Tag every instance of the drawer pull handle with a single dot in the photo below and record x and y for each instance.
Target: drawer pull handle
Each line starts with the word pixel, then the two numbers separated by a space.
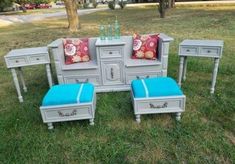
pixel 17 61
pixel 158 106
pixel 110 52
pixel 188 50
pixel 208 51
pixel 111 72
pixel 37 59
pixel 79 81
pixel 73 113
pixel 137 77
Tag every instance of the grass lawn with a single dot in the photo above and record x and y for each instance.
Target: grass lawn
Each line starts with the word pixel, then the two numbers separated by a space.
pixel 204 135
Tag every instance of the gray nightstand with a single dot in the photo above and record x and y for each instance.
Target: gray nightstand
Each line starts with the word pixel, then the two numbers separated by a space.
pixel 27 57
pixel 200 48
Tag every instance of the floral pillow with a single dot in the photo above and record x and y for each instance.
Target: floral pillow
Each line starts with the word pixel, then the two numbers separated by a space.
pixel 145 46
pixel 76 50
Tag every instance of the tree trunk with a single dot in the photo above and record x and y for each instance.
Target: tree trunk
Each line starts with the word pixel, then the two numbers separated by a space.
pixel 172 3
pixel 169 4
pixel 162 8
pixel 72 15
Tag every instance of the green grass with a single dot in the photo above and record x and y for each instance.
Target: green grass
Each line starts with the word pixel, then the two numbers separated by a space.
pixel 205 134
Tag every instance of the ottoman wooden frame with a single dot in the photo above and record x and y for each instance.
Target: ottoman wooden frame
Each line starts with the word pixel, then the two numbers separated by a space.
pixel 69 112
pixel 153 105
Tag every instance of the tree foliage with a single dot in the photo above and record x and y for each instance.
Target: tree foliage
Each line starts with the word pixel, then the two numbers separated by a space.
pixel 5 3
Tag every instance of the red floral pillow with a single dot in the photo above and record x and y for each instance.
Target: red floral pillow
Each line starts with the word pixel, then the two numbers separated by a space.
pixel 76 50
pixel 145 46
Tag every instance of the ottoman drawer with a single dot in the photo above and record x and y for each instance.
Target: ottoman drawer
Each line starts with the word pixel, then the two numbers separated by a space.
pixel 68 113
pixel 160 105
pixel 68 102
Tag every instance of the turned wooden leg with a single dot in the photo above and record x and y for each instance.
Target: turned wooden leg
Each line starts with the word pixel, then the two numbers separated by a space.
pixel 92 121
pixel 214 75
pixel 138 118
pixel 22 80
pixel 181 70
pixel 178 116
pixel 16 82
pixel 49 76
pixel 185 68
pixel 50 126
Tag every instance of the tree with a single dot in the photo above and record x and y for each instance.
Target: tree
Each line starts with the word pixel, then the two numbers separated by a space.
pixel 4 4
pixel 171 4
pixel 72 15
pixel 162 8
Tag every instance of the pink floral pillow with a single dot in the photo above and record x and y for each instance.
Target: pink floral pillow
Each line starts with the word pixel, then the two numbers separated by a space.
pixel 76 50
pixel 145 46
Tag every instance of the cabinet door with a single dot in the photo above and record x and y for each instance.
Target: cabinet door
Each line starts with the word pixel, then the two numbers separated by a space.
pixel 112 72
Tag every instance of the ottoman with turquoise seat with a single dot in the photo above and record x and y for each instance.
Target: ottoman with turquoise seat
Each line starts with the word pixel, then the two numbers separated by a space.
pixel 157 95
pixel 67 102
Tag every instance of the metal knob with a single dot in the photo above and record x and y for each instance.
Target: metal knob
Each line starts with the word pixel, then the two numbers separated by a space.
pixel 17 61
pixel 188 50
pixel 110 52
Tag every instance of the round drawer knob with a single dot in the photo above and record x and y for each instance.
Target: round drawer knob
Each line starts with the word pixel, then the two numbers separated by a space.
pixel 110 52
pixel 208 51
pixel 37 59
pixel 188 50
pixel 17 61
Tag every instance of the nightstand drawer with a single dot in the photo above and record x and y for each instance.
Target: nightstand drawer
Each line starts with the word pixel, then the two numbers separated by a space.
pixel 210 51
pixel 188 50
pixel 16 61
pixel 110 52
pixel 41 58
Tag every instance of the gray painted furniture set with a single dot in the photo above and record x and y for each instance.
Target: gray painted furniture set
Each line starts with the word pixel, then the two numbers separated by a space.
pixel 111 69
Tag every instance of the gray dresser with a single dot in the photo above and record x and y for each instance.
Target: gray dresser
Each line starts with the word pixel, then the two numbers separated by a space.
pixel 111 67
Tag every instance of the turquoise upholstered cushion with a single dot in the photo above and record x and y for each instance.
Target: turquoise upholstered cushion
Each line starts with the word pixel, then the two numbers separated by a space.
pixel 155 87
pixel 69 94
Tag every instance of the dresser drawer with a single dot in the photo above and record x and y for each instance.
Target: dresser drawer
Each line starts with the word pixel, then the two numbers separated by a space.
pixel 94 79
pixel 40 58
pixel 16 61
pixel 134 76
pixel 210 51
pixel 188 50
pixel 110 52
